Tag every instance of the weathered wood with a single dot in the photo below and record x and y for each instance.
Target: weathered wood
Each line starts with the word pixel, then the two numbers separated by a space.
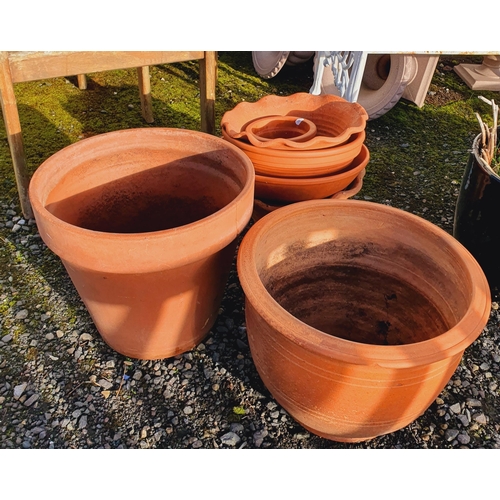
pixel 29 66
pixel 208 80
pixel 145 93
pixel 82 81
pixel 14 135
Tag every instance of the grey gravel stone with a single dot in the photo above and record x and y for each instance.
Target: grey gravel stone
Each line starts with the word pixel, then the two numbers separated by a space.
pixel 23 314
pixel 480 418
pixel 167 394
pixel 82 422
pixel 230 439
pixel 19 389
pixel 259 436
pixel 451 434
pixel 32 399
pixel 105 384
pixel 473 403
pixel 463 438
pixel 236 427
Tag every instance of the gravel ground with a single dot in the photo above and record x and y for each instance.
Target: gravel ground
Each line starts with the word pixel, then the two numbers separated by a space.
pixel 63 387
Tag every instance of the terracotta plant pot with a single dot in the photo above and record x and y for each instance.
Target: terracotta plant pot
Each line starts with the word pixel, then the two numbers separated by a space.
pixel 145 222
pixel 263 207
pixel 477 212
pixel 309 188
pixel 335 118
pixel 279 131
pixel 357 313
pixel 301 163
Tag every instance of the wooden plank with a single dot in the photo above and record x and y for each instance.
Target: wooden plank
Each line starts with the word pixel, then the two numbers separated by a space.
pixel 30 66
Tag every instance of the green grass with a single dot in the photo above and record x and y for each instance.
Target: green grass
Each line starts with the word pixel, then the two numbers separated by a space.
pixel 55 113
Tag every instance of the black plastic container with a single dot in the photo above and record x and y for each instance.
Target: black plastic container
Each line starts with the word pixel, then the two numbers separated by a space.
pixel 477 215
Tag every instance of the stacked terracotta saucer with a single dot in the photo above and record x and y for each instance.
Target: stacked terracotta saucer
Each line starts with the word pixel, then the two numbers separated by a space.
pixel 302 146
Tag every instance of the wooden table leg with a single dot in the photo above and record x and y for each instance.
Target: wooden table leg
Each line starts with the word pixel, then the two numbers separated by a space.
pixel 82 81
pixel 145 93
pixel 14 135
pixel 208 80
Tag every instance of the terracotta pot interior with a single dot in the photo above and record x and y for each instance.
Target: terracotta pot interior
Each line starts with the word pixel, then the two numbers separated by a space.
pixel 156 194
pixel 282 127
pixel 360 289
pixel 326 127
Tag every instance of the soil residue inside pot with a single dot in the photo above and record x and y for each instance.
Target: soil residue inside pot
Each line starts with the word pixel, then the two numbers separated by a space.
pixel 148 201
pixel 131 213
pixel 358 304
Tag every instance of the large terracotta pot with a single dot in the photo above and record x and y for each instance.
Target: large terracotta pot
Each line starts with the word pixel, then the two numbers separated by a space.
pixel 357 313
pixel 477 212
pixel 145 222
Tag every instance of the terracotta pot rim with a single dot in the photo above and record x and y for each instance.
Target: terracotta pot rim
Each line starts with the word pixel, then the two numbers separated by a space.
pixel 276 105
pixel 49 174
pixel 449 343
pixel 354 167
pixel 38 203
pixel 298 154
pixel 267 142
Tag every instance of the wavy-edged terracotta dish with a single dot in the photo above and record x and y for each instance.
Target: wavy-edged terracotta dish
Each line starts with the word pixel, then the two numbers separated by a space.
pixel 335 118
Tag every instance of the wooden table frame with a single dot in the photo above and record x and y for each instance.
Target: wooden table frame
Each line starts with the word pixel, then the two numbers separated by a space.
pixel 18 67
